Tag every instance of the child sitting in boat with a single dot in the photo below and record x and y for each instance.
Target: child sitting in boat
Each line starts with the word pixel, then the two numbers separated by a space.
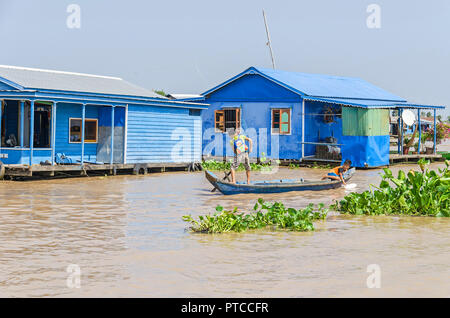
pixel 338 172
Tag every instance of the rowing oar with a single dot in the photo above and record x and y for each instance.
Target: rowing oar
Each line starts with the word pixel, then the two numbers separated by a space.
pixel 227 175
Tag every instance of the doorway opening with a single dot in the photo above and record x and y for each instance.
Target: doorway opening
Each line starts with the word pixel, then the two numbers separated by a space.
pixel 42 125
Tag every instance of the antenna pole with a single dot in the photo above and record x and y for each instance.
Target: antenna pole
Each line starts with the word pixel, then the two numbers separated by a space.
pixel 268 39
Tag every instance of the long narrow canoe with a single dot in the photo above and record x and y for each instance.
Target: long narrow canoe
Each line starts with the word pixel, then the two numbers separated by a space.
pixel 275 186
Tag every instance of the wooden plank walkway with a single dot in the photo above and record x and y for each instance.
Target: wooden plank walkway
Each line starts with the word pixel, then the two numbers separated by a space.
pixel 393 159
pixel 397 158
pixel 17 170
pixel 312 159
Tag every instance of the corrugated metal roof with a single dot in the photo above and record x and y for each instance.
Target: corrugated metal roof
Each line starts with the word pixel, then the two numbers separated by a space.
pixel 183 96
pixel 348 91
pixel 319 85
pixel 186 97
pixel 31 78
pixel 364 103
pixel 330 86
pixel 354 102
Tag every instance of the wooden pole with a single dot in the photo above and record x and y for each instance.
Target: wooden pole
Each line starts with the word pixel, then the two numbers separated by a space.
pixel 83 119
pixel 22 121
pixel 53 132
pixel 420 132
pixel 31 130
pixel 1 115
pixel 401 131
pixel 125 135
pixel 434 137
pixel 398 133
pixel 303 128
pixel 111 161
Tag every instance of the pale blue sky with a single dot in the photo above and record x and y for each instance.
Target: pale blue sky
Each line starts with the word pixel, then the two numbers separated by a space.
pixel 190 46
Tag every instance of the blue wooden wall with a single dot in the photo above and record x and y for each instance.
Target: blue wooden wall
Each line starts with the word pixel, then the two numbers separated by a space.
pixel 73 150
pixel 162 134
pixel 22 156
pixel 154 135
pixel 253 88
pixel 256 96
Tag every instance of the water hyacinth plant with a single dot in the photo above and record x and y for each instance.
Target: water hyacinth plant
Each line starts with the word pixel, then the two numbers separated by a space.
pixel 425 192
pixel 214 165
pixel 263 165
pixel 315 165
pixel 265 214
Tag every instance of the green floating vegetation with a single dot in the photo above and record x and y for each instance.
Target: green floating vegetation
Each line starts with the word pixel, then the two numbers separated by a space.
pixel 265 214
pixel 425 192
pixel 213 165
pixel 321 166
pixel 313 166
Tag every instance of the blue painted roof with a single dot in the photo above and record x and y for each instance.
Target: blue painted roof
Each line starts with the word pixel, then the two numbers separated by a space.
pixel 330 86
pixel 349 91
pixel 371 103
pixel 319 85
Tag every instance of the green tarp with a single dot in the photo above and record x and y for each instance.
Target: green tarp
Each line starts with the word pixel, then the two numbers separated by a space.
pixel 365 122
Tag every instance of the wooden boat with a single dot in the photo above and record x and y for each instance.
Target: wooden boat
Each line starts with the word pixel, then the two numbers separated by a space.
pixel 275 186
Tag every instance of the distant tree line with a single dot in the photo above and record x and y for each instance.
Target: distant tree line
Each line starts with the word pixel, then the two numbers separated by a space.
pixel 438 117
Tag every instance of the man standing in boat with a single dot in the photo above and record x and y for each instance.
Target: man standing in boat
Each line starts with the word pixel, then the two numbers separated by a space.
pixel 241 151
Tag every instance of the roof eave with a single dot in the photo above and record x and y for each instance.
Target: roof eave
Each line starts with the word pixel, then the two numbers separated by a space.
pixel 54 91
pixel 97 99
pixel 12 84
pixel 383 104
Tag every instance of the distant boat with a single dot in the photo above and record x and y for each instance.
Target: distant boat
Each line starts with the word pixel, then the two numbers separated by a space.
pixel 275 186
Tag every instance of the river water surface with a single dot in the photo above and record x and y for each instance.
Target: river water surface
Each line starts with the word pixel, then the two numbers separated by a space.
pixel 127 237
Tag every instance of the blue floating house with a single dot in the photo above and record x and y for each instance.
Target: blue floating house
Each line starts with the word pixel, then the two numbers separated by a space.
pixel 298 116
pixel 62 117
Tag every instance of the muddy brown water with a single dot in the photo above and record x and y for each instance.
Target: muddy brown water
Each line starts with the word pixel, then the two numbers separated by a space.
pixel 126 235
